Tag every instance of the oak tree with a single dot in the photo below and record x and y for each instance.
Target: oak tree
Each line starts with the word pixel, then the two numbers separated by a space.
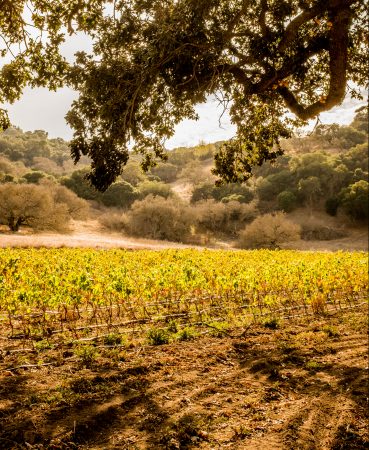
pixel 154 60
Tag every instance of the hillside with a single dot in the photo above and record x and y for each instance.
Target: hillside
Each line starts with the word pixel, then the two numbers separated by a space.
pixel 320 183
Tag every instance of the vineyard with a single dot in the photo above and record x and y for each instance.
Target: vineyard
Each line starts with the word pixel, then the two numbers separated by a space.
pixel 85 294
pixel 181 349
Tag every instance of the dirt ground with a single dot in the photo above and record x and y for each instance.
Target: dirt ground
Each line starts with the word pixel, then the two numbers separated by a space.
pixel 89 234
pixel 301 386
pixel 86 234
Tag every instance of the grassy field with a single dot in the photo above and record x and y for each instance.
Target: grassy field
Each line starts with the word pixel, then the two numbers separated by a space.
pixel 182 349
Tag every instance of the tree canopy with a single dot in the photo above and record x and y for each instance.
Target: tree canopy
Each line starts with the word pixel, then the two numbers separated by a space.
pixel 153 61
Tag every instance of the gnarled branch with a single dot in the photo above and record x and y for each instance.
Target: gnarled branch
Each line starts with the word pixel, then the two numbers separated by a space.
pixel 338 54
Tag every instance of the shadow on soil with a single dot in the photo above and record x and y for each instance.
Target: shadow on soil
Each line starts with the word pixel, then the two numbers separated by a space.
pixel 92 412
pixel 351 383
pixel 93 421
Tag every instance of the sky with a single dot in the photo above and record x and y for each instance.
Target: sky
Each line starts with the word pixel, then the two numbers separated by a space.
pixel 40 109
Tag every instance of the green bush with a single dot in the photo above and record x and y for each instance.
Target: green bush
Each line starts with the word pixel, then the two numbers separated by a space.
pixel 120 195
pixel 87 355
pixel 157 336
pixel 287 201
pixel 226 193
pixel 154 188
pixel 354 200
pixel 33 177
pixel 77 183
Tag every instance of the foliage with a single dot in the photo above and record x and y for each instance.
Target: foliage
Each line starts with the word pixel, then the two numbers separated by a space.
pixel 157 336
pixel 34 176
pixel 269 231
pixel 132 173
pixel 77 183
pixel 154 62
pixel 159 218
pixel 226 218
pixel 31 205
pixel 311 190
pixel 181 156
pixel 34 148
pixel 355 200
pixel 166 172
pixel 207 191
pixel 113 339
pixel 186 334
pixel 44 290
pixel 287 201
pixel 154 188
pixel 87 354
pixel 114 220
pixel 272 185
pixel 331 205
pixel 275 188
pixel 120 195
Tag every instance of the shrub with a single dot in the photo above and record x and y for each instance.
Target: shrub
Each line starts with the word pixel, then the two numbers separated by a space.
pixel 243 192
pixel 186 334
pixel 355 200
pixel 226 218
pixel 132 173
pixel 268 188
pixel 32 205
pixel 77 207
pixel 226 193
pixel 77 183
pixel 157 336
pixel 201 192
pixel 167 172
pixel 315 232
pixel 120 195
pixel 113 339
pixel 160 218
pixel 331 206
pixel 269 231
pixel 114 220
pixel 87 355
pixel 154 188
pixel 33 177
pixel 287 201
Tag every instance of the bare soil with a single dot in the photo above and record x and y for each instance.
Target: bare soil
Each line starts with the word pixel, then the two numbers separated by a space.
pixel 89 234
pixel 86 234
pixel 301 386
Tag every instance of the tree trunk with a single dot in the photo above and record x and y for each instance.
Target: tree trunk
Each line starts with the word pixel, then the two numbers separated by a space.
pixel 14 224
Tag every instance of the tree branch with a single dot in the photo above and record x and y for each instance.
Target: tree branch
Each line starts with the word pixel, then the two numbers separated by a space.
pixel 262 18
pixel 320 8
pixel 338 55
pixel 291 65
